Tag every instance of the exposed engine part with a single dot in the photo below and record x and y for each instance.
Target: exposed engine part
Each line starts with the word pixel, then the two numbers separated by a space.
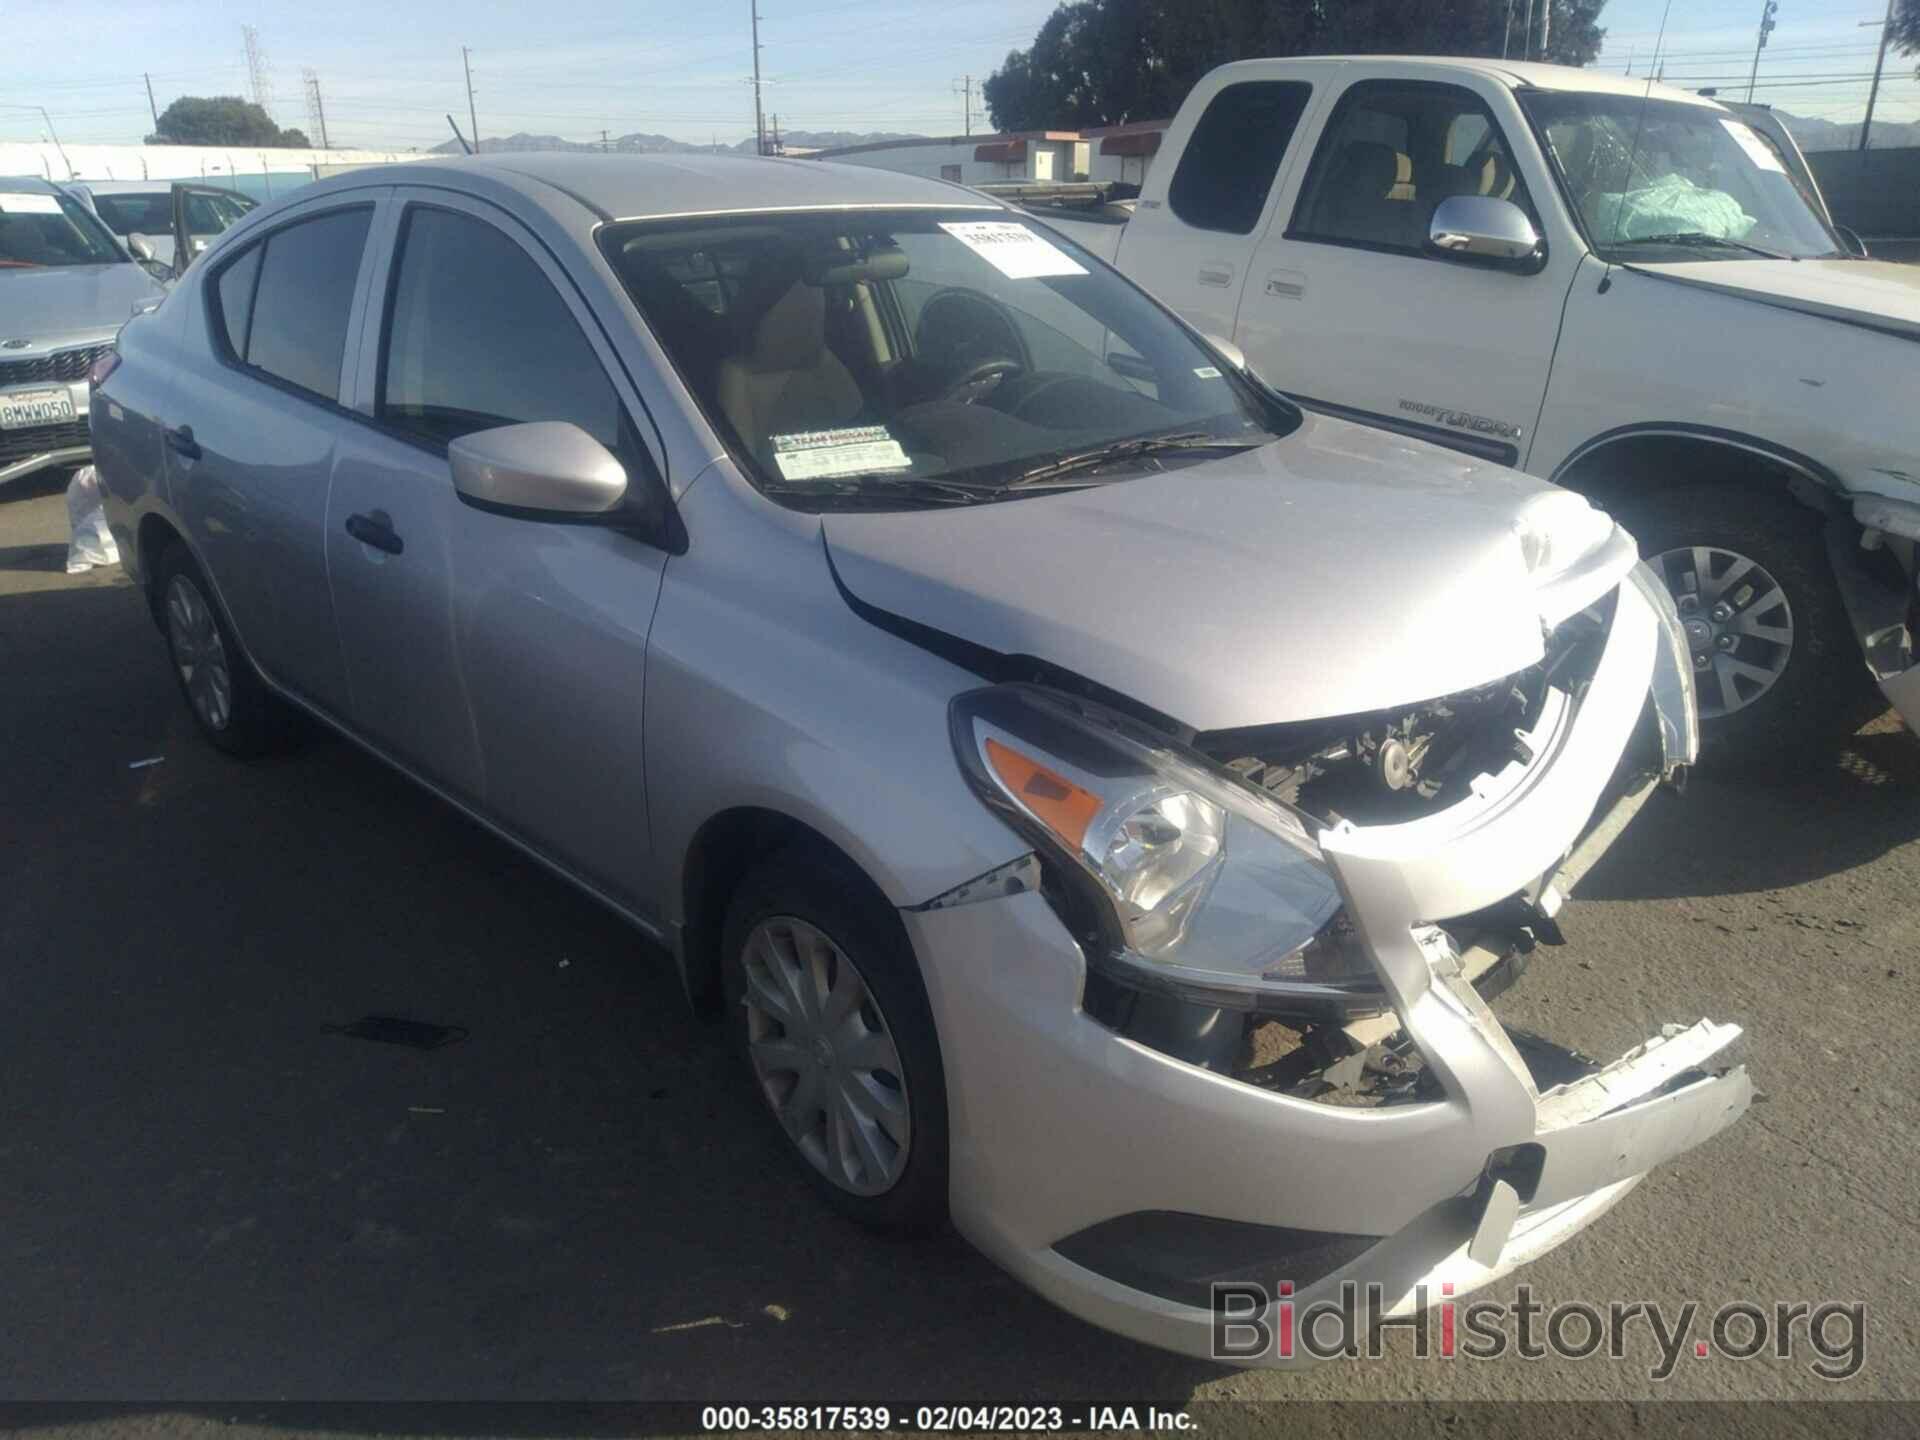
pixel 1395 765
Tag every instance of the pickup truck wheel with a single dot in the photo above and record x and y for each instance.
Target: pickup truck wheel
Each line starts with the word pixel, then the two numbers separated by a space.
pixel 1775 662
pixel 233 709
pixel 831 1020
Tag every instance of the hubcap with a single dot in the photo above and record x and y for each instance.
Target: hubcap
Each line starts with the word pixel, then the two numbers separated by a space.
pixel 824 1056
pixel 1738 623
pixel 198 653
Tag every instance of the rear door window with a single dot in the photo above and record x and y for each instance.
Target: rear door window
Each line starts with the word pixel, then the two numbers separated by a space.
pixel 233 290
pixel 477 337
pixel 1234 153
pixel 303 299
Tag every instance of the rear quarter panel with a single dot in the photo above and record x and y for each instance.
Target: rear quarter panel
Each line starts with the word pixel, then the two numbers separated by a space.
pixel 126 416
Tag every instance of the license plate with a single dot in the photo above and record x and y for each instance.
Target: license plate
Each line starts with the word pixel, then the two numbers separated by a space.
pixel 20 409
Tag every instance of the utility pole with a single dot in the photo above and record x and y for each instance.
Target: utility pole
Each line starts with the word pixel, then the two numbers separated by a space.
pixel 473 120
pixel 1526 34
pixel 1873 93
pixel 1546 22
pixel 1506 36
pixel 776 134
pixel 156 109
pixel 759 121
pixel 964 87
pixel 603 142
pixel 1766 28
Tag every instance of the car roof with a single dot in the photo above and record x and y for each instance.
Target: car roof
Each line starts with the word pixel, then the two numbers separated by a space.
pixel 1516 74
pixel 28 185
pixel 641 187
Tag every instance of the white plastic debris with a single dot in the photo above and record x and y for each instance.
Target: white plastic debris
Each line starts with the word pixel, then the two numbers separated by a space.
pixel 89 542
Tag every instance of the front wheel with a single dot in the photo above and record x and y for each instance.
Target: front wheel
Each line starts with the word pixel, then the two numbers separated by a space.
pixel 831 1019
pixel 1775 662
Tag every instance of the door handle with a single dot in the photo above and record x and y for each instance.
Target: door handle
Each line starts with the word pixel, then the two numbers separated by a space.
pixel 375 530
pixel 1217 276
pixel 180 440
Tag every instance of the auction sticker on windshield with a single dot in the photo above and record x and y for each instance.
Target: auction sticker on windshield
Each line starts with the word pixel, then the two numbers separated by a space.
pixel 823 454
pixel 1014 250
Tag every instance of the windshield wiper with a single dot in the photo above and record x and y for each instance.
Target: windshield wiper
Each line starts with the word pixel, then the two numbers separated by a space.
pixel 882 485
pixel 1701 238
pixel 1134 449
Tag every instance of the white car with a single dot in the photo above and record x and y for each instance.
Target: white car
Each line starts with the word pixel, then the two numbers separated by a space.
pixel 1624 288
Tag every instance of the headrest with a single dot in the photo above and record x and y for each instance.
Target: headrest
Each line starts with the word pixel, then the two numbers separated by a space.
pixel 1369 168
pixel 793 332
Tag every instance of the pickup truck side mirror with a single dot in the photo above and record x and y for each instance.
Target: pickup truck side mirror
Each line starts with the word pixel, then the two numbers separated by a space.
pixel 1487 229
pixel 139 247
pixel 548 469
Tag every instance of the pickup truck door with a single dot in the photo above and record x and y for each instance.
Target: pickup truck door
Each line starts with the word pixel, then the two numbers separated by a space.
pixel 201 212
pixel 1345 305
pixel 1193 242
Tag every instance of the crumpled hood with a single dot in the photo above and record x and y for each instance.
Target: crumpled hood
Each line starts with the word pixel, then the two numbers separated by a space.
pixel 1337 571
pixel 59 305
pixel 1864 292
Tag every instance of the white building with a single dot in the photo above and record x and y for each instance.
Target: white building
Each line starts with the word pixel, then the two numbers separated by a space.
pixel 256 171
pixel 1112 152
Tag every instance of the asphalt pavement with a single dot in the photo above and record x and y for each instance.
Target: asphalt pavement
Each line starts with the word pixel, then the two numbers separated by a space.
pixel 208 1192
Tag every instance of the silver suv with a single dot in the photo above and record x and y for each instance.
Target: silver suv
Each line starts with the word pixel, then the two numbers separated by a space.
pixel 66 287
pixel 1096 797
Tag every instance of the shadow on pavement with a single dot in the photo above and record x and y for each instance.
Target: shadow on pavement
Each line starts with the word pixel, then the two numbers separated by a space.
pixel 1727 837
pixel 203 1192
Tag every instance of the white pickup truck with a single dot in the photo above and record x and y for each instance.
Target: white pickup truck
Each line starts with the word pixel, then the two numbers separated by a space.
pixel 1626 289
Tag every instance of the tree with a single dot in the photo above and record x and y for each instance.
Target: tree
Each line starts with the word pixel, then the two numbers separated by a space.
pixel 1102 62
pixel 221 120
pixel 1906 27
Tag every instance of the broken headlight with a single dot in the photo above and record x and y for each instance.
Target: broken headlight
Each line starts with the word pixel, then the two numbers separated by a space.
pixel 1191 882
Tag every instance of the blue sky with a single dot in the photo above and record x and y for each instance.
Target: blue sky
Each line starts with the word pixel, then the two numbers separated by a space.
pixel 389 69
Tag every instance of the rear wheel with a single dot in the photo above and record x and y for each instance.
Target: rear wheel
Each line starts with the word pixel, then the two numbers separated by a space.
pixel 1775 661
pixel 830 1017
pixel 228 701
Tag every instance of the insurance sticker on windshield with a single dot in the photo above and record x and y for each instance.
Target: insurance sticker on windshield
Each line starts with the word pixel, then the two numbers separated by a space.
pixel 1014 250
pixel 823 454
pixel 20 202
pixel 1758 150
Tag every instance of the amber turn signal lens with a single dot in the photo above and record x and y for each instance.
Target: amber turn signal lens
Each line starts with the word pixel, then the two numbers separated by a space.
pixel 1055 801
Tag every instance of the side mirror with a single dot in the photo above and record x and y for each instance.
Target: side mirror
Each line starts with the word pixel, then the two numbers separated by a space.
pixel 1850 238
pixel 549 468
pixel 1486 228
pixel 139 247
pixel 1234 354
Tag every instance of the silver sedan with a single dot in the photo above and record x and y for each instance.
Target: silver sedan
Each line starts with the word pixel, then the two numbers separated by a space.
pixel 1096 795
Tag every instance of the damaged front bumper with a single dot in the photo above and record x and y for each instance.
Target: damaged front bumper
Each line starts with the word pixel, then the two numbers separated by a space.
pixel 1124 1183
pixel 1885 615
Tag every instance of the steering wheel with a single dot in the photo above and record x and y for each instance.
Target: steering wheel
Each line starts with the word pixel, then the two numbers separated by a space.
pixel 981 380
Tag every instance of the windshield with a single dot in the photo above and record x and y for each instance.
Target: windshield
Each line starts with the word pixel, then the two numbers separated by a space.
pixel 1661 178
pixel 909 357
pixel 37 229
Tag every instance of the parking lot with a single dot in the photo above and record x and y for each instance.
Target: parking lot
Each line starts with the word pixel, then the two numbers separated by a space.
pixel 205 1190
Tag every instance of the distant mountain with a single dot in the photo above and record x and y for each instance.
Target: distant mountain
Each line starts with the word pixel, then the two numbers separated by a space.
pixel 1814 134
pixel 641 144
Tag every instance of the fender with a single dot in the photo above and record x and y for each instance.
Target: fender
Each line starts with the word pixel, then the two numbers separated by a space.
pixel 1810 482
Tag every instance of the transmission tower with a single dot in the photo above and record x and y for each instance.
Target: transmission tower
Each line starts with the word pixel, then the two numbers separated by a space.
pixel 257 71
pixel 316 111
